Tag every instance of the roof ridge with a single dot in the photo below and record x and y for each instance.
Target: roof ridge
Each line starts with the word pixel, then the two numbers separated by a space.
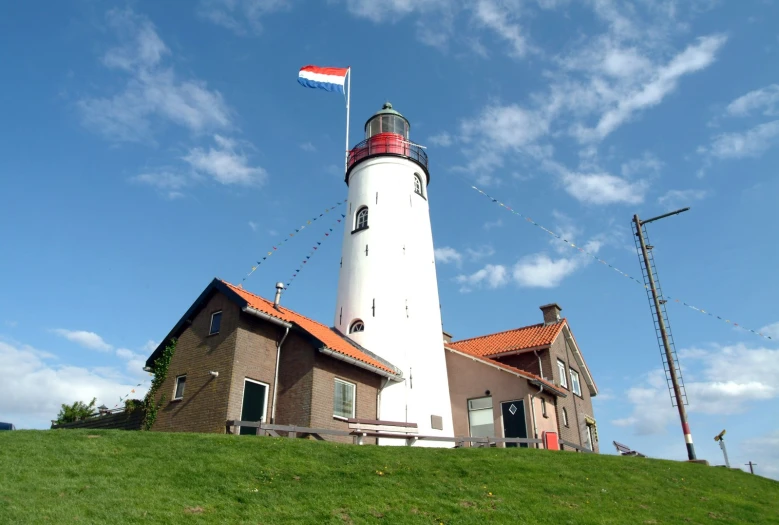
pixel 281 309
pixel 499 333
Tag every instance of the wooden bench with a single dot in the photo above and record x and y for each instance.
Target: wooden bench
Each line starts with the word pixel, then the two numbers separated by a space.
pixel 362 428
pixel 624 450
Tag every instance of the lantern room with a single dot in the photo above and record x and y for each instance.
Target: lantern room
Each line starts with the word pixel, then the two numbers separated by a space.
pixel 387 120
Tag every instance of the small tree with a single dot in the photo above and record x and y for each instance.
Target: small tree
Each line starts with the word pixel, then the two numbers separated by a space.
pixel 76 411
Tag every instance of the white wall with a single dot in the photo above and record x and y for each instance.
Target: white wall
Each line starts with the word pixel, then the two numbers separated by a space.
pixel 398 272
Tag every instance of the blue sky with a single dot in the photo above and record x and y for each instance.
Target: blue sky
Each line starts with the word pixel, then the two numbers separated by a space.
pixel 153 146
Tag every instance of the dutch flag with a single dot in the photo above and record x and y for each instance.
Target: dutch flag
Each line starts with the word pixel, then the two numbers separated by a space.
pixel 327 78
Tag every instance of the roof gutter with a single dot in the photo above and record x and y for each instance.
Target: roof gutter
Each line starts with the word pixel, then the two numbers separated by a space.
pixel 359 364
pixel 538 383
pixel 263 315
pixel 582 364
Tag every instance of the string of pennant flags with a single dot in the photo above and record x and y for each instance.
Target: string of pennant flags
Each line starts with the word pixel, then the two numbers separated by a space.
pixel 291 235
pixel 605 263
pixel 122 399
pixel 314 248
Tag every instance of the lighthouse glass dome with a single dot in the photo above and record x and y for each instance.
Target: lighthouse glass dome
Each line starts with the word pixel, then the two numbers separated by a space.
pixel 387 120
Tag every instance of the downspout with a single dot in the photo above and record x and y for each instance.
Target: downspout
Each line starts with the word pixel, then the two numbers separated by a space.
pixel 573 398
pixel 540 367
pixel 533 410
pixel 276 376
pixel 287 326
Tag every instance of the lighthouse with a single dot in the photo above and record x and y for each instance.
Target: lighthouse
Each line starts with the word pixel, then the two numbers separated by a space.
pixel 387 298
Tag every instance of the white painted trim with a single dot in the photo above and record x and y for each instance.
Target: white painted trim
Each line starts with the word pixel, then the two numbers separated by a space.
pixel 577 354
pixel 347 359
pixel 265 405
pixel 176 387
pixel 354 400
pixel 564 375
pixel 211 324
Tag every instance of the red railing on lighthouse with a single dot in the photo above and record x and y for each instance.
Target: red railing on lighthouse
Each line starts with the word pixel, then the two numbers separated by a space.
pixel 387 144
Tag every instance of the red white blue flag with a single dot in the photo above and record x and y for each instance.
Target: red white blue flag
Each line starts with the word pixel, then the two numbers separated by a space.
pixel 327 78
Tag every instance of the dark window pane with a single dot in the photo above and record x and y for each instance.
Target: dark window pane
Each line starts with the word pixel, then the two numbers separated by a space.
pixel 216 321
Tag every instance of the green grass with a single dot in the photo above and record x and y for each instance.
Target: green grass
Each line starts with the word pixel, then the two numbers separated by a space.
pixel 122 477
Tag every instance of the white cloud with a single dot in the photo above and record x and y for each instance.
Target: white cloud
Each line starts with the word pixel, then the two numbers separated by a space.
pixel 674 199
pixel 446 255
pixel 493 276
pixel 166 182
pixel 150 345
pixel 771 330
pixel 540 271
pixel 153 93
pixel 225 163
pixel 481 252
pixel 442 139
pixel 86 339
pixel 308 146
pixel 253 226
pixel 751 143
pixel 694 58
pixel 497 16
pixel 603 188
pixel 492 224
pixel 765 100
pixel 764 449
pixel 240 16
pixel 648 164
pixel 722 380
pixel 32 388
pixel 393 9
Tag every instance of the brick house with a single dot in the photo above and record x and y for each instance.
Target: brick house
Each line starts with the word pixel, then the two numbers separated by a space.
pixel 549 355
pixel 242 357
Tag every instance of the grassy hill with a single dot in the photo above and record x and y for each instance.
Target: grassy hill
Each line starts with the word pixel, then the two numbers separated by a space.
pixel 131 477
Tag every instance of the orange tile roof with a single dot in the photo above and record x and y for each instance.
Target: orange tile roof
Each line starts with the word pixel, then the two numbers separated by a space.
pixel 328 336
pixel 510 340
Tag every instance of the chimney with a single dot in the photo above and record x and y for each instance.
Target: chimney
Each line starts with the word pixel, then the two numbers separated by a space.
pixel 447 337
pixel 277 299
pixel 551 313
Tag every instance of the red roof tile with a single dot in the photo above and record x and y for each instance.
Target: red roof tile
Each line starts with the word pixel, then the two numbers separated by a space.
pixel 329 337
pixel 510 340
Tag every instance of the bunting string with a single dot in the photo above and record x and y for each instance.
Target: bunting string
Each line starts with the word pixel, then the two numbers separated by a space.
pixel 122 399
pixel 327 234
pixel 605 263
pixel 298 230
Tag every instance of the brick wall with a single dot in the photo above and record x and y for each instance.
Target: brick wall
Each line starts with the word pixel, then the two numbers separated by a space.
pixel 525 361
pixel 326 370
pixel 576 406
pixel 296 376
pixel 204 404
pixel 255 358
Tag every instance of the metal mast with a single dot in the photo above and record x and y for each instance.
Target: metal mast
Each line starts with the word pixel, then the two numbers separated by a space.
pixel 673 373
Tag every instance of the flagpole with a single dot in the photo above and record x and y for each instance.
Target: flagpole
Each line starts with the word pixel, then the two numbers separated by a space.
pixel 348 99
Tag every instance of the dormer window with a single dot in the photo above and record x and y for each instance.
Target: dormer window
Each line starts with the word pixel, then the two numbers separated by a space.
pixel 418 185
pixel 357 326
pixel 361 219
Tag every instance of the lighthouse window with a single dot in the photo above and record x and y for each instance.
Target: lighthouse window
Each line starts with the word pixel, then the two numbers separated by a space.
pixel 418 184
pixel 357 326
pixel 361 220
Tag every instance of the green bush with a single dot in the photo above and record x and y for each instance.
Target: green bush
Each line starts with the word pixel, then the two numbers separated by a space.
pixel 75 412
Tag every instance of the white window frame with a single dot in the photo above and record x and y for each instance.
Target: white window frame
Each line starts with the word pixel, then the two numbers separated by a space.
pixel 491 409
pixel 563 375
pixel 354 397
pixel 354 323
pixel 357 225
pixel 576 386
pixel 264 405
pixel 590 441
pixel 211 325
pixel 418 185
pixel 565 418
pixel 176 387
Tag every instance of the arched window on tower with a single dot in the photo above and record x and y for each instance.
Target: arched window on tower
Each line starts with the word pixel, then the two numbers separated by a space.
pixel 356 326
pixel 361 219
pixel 418 185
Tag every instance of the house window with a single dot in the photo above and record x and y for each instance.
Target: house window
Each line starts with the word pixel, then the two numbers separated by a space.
pixel 565 417
pixel 357 326
pixel 480 417
pixel 561 370
pixel 575 386
pixel 418 184
pixel 343 399
pixel 216 322
pixel 361 219
pixel 588 438
pixel 181 382
pixel 543 407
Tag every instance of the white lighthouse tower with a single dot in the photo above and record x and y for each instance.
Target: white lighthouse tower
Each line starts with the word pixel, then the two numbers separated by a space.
pixel 387 289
